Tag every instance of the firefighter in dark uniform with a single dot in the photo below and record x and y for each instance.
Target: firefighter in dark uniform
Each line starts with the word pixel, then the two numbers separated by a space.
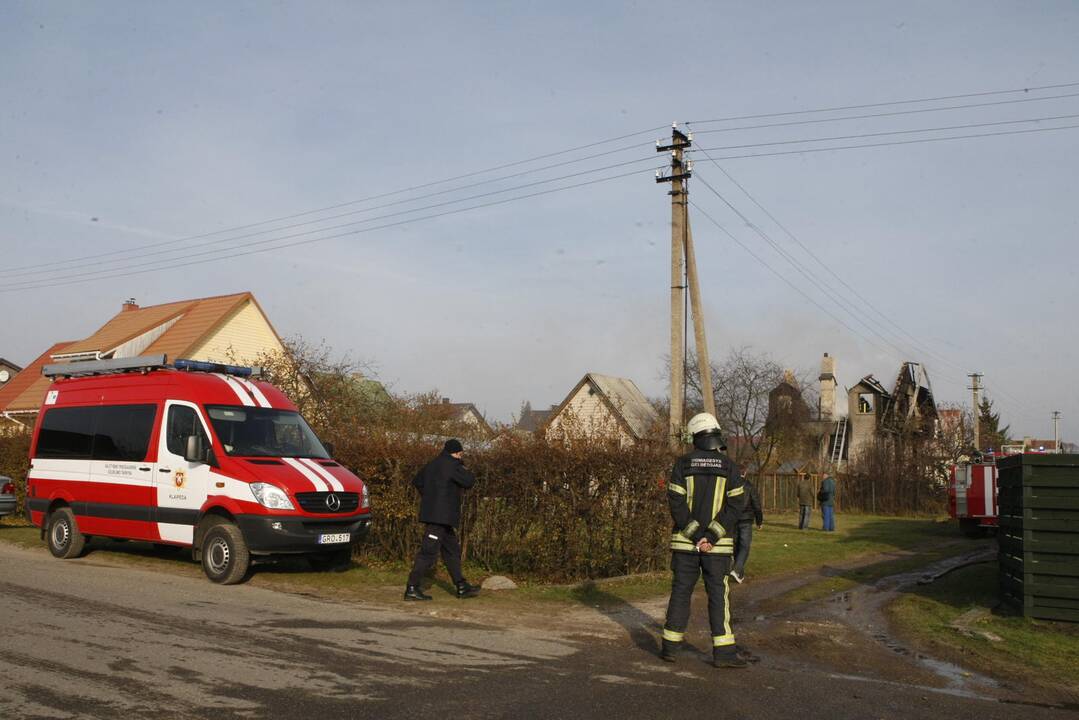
pixel 706 497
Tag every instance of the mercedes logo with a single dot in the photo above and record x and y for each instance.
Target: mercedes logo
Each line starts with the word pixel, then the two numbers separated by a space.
pixel 333 502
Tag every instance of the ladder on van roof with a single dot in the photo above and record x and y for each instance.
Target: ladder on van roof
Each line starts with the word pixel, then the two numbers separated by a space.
pixel 143 363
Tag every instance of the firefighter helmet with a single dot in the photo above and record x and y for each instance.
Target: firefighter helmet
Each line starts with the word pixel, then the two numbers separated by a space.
pixel 707 435
pixel 703 422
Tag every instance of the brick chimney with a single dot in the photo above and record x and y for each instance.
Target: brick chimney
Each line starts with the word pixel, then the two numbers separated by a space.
pixel 827 388
pixel 129 305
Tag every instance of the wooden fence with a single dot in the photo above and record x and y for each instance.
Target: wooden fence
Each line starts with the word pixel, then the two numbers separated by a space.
pixel 779 491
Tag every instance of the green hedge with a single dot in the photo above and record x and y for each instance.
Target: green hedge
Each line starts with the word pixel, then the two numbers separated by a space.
pixel 537 510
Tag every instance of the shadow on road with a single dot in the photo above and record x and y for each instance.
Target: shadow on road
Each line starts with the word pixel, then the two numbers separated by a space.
pixel 640 626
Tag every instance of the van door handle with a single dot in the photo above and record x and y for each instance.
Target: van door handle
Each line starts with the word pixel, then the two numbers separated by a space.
pixel 144 469
pixel 164 469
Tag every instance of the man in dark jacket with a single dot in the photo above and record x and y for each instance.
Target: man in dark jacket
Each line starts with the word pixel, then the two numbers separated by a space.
pixel 706 497
pixel 805 501
pixel 752 514
pixel 440 483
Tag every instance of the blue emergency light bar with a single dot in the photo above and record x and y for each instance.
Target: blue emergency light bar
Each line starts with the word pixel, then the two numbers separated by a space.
pixel 202 366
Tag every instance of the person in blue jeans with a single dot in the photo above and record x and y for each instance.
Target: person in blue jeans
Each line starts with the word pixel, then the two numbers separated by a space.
pixel 826 497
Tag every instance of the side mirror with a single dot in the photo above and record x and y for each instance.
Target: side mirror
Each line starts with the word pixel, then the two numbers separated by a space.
pixel 195 449
pixel 329 448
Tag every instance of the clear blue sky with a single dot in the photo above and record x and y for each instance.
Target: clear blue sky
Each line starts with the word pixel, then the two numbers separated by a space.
pixel 127 123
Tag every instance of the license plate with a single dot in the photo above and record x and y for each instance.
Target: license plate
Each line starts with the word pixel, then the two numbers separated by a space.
pixel 333 538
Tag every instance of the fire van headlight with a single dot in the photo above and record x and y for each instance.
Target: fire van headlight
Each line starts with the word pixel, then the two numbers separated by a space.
pixel 365 497
pixel 271 496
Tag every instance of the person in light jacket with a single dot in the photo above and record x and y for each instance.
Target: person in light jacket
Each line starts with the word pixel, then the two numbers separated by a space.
pixel 440 484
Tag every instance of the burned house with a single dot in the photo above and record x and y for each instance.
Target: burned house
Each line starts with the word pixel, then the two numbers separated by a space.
pixel 871 411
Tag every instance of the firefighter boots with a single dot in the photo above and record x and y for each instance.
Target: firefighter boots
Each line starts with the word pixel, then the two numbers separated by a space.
pixel 727 657
pixel 668 651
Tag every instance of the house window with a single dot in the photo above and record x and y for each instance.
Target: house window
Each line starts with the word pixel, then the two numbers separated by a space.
pixel 785 403
pixel 865 403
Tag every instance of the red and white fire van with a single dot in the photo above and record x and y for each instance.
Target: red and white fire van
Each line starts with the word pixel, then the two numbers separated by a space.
pixel 194 454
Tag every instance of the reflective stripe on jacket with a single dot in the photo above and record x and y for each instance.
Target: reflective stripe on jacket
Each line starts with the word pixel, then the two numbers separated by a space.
pixel 706 495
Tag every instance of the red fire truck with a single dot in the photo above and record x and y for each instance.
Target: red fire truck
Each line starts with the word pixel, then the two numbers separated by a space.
pixel 972 491
pixel 972 496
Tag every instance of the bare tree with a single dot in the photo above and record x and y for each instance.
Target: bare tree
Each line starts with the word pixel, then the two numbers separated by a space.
pixel 741 385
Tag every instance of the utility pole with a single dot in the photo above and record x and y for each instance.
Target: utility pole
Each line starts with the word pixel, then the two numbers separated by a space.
pixel 679 173
pixel 704 367
pixel 976 386
pixel 1056 431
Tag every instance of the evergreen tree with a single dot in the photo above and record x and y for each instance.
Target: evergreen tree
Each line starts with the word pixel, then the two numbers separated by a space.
pixel 991 434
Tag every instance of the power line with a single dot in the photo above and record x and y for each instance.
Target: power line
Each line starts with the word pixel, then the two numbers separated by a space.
pixel 265 241
pixel 176 248
pixel 327 208
pixel 822 264
pixel 808 275
pixel 892 102
pixel 892 143
pixel 880 115
pixel 782 277
pixel 174 266
pixel 946 376
pixel 186 247
pixel 899 132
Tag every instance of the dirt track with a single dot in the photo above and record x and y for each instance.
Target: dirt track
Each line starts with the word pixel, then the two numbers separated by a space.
pixel 87 639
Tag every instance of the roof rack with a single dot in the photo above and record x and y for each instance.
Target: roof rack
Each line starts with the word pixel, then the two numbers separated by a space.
pixel 142 363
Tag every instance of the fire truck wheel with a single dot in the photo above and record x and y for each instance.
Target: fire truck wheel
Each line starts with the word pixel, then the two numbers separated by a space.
pixel 225 558
pixel 65 540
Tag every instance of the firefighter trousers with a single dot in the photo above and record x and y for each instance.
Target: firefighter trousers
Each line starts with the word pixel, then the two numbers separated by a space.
pixel 686 568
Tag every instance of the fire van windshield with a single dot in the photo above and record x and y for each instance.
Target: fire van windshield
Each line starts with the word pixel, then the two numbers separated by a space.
pixel 264 432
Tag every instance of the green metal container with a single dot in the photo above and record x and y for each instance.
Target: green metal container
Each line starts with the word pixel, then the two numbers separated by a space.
pixel 1038 500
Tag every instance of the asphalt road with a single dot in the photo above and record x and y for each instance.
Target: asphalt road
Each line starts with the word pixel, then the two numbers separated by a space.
pixel 84 639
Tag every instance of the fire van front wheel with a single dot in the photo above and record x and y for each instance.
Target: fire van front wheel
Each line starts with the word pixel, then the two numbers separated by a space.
pixel 225 557
pixel 65 540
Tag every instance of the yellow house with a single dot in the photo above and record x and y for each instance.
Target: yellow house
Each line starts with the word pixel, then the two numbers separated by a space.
pixel 603 407
pixel 225 328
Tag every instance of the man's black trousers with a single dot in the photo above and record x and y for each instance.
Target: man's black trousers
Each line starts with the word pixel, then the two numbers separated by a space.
pixel 687 567
pixel 742 540
pixel 437 538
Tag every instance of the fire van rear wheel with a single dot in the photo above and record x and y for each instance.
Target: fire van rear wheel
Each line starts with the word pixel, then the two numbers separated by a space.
pixel 225 557
pixel 65 540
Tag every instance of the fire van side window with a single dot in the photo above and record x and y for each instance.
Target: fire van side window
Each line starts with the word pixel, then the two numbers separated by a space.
pixel 123 432
pixel 182 422
pixel 67 433
pixel 111 432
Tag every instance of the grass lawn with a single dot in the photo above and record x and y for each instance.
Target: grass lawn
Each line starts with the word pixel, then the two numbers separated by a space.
pixel 1029 651
pixel 778 549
